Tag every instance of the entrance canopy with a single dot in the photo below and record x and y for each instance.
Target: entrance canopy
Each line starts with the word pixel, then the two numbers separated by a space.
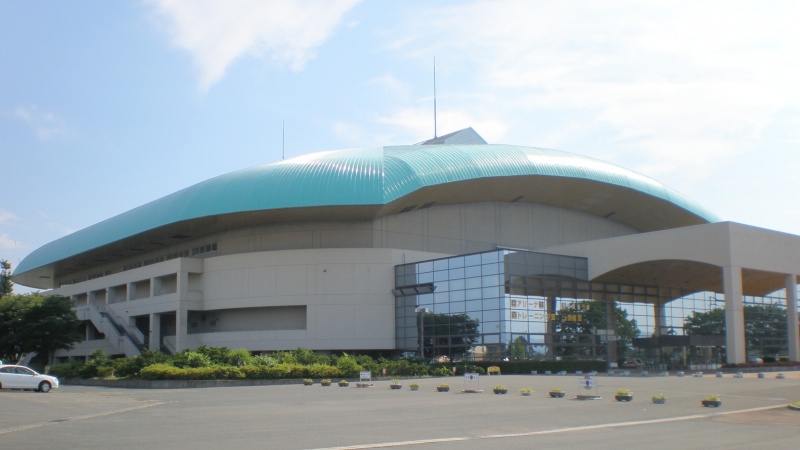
pixel 738 260
pixel 691 258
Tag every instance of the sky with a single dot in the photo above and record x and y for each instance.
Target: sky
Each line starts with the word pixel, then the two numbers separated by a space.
pixel 105 106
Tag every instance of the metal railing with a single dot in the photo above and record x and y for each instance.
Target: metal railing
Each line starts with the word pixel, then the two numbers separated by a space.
pixel 128 340
pixel 138 338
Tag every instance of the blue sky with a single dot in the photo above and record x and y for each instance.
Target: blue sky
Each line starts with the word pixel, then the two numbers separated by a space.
pixel 105 106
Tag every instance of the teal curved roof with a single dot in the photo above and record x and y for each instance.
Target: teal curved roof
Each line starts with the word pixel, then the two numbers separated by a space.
pixel 366 176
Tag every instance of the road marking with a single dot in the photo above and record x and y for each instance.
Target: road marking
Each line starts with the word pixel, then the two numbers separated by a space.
pixel 73 419
pixel 543 432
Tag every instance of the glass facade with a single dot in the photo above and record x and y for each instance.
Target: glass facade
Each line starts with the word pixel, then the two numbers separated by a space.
pixel 526 305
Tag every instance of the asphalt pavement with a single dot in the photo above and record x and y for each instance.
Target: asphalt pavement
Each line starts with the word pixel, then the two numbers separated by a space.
pixel 753 414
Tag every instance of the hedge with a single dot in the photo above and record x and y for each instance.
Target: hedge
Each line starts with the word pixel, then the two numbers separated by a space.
pixel 167 372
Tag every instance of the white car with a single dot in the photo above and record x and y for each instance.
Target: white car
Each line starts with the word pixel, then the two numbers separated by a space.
pixel 21 377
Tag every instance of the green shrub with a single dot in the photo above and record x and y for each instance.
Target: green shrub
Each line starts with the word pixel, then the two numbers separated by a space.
pixel 189 358
pixel 126 367
pixel 69 369
pixel 367 363
pixel 98 359
pixel 149 357
pixel 442 372
pixel 305 356
pixel 239 357
pixel 105 371
pixel 130 367
pixel 263 360
pixel 269 372
pixel 216 355
pixel 167 372
pixel 348 365
pixel 324 360
pixel 319 371
pixel 285 357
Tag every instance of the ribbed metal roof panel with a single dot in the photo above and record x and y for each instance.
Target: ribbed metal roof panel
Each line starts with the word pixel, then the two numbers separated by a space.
pixel 372 176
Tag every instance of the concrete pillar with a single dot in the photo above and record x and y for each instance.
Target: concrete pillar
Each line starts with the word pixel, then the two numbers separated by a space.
pixel 791 313
pixel 660 313
pixel 734 315
pixel 550 308
pixel 182 282
pixel 155 331
pixel 181 328
pixel 611 326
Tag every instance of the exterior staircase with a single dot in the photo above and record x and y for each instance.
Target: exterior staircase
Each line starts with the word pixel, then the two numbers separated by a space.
pixel 126 339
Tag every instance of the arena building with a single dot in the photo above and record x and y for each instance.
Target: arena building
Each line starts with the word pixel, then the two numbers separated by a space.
pixel 448 248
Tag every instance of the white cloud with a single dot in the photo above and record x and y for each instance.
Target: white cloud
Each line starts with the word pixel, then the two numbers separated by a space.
pixel 674 86
pixel 216 33
pixel 6 243
pixel 390 83
pixel 6 216
pixel 45 124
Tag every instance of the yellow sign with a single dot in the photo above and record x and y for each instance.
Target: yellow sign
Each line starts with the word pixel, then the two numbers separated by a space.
pixel 567 318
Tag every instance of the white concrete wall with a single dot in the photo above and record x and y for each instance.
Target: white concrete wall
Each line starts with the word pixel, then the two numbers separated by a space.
pixel 459 229
pixel 342 271
pixel 347 293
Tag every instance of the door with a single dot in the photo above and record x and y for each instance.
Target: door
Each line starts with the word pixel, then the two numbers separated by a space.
pixel 27 378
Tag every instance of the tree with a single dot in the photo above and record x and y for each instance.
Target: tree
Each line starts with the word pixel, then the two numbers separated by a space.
pixel 456 333
pixel 12 327
pixel 6 286
pixel 765 329
pixel 52 325
pixel 577 326
pixel 33 323
pixel 707 323
pixel 764 326
pixel 519 348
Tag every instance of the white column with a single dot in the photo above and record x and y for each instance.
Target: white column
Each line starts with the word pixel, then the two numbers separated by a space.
pixel 181 328
pixel 611 324
pixel 734 314
pixel 791 312
pixel 155 331
pixel 660 313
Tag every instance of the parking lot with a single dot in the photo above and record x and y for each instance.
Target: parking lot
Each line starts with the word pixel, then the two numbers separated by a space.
pixel 754 414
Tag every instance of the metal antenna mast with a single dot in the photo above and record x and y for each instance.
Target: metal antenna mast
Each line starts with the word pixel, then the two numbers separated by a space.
pixel 435 134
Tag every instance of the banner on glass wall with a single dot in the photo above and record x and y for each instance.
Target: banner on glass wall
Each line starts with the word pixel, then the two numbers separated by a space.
pixel 526 309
